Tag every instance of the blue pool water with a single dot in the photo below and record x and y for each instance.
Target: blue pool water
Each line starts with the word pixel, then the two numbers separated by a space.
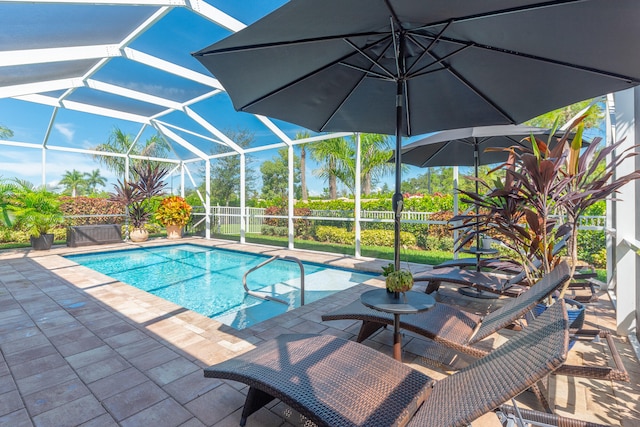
pixel 209 280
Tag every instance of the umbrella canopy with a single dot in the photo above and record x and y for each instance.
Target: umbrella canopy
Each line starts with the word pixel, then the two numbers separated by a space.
pixel 462 147
pixel 466 147
pixel 408 67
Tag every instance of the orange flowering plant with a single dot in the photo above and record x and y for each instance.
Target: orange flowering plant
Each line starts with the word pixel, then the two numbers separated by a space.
pixel 173 210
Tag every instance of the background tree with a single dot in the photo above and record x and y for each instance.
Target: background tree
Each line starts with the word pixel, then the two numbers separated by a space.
pixel 338 161
pixel 304 194
pixel 5 132
pixel 331 155
pixel 120 142
pixel 593 119
pixel 376 152
pixel 225 171
pixel 93 180
pixel 275 172
pixel 74 183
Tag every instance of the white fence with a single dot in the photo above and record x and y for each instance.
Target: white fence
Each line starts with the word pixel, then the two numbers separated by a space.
pixel 226 220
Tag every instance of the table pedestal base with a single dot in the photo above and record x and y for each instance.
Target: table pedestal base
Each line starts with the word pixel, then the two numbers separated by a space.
pixel 397 338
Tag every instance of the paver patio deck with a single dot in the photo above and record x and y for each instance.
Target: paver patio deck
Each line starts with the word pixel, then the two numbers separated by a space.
pixel 79 348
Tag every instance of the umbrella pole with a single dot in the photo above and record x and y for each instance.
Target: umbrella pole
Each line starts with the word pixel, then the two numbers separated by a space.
pixel 476 161
pixel 397 201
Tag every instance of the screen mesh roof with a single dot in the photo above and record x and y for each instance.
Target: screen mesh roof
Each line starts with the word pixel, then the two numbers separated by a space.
pixel 129 62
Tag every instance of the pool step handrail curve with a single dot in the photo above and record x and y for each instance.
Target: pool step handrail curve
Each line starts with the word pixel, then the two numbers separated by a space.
pixel 268 297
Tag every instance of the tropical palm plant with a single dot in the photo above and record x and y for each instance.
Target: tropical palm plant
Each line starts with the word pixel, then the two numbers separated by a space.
pixel 123 143
pixel 303 166
pixel 332 155
pixel 7 192
pixel 36 210
pixel 74 182
pixel 376 150
pixel 94 179
pixel 5 132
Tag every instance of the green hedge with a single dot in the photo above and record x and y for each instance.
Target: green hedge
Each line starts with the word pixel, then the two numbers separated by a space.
pixel 339 235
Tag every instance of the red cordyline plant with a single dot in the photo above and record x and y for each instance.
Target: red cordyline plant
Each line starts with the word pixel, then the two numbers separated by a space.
pixel 135 195
pixel 544 193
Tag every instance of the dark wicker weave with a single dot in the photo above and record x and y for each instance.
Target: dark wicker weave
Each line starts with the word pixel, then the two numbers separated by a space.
pixel 499 264
pixel 331 381
pixel 454 328
pixel 450 326
pixel 337 383
pixel 506 372
pixel 488 282
pixel 616 373
pixel 537 417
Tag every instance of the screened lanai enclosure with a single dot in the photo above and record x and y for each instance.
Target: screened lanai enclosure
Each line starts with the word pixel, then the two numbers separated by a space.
pixel 72 72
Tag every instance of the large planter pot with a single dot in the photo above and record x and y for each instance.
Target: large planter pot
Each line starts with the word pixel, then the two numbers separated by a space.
pixel 575 312
pixel 174 231
pixel 139 235
pixel 42 243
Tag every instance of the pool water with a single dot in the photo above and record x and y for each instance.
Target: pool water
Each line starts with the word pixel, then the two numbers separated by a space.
pixel 209 280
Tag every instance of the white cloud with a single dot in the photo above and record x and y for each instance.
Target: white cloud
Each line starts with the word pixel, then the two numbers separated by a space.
pixel 66 129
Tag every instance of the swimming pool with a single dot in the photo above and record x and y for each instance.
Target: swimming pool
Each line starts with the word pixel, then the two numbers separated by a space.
pixel 209 280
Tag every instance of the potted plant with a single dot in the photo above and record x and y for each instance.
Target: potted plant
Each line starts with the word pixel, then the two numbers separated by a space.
pixel 38 212
pixel 136 196
pixel 174 213
pixel 397 280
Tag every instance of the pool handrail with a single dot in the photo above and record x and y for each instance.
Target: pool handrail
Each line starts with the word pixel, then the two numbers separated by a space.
pixel 268 297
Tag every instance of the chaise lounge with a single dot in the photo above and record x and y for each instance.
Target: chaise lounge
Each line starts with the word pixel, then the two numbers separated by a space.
pixel 334 382
pixel 450 326
pixel 462 331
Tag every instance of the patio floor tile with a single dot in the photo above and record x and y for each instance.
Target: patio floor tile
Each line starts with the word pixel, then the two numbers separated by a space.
pixel 117 383
pixel 52 397
pixel 217 404
pixel 131 401
pixel 128 358
pixel 70 414
pixel 167 413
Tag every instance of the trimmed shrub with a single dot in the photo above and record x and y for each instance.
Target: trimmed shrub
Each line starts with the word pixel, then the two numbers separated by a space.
pixel 91 206
pixel 433 243
pixel 330 234
pixel 269 230
pixel 385 238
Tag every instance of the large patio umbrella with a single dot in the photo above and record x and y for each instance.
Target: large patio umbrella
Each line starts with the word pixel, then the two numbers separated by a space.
pixel 407 67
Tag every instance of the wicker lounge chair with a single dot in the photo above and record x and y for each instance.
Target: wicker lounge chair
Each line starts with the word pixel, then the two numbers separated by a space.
pixel 483 281
pixel 459 272
pixel 462 331
pixel 334 382
pixel 450 326
pixel 499 264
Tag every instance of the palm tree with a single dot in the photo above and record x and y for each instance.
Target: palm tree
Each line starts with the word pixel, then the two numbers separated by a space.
pixel 94 179
pixel 120 142
pixel 376 151
pixel 303 165
pixel 332 154
pixel 340 163
pixel 74 182
pixel 5 132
